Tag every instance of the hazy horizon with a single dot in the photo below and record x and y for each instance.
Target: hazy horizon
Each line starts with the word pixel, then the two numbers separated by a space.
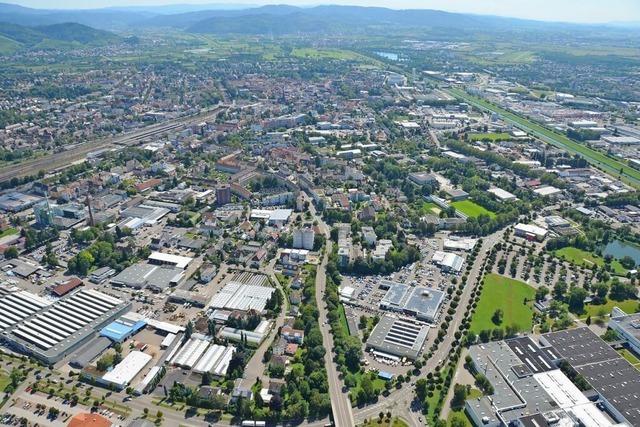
pixel 578 11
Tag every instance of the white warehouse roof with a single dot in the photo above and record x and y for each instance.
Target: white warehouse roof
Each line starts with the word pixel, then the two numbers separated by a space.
pixel 126 370
pixel 238 296
pixel 177 260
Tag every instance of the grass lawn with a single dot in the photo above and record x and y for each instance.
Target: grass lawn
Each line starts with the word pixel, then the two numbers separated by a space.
pixel 629 306
pixel 489 136
pixel 471 209
pixel 587 259
pixel 343 318
pixel 500 292
pixel 9 231
pixel 5 380
pixel 429 208
pixel 631 358
pixel 395 422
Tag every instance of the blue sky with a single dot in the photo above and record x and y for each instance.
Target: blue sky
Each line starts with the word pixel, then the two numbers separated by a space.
pixel 548 10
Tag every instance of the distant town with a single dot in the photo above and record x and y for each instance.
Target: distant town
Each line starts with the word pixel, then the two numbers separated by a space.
pixel 208 228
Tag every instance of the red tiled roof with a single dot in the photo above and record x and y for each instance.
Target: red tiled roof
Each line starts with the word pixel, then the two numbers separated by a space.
pixel 66 287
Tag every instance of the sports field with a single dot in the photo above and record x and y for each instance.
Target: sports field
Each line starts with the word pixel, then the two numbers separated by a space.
pixel 500 292
pixel 471 209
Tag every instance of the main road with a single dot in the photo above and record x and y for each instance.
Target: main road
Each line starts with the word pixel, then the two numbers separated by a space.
pixel 399 402
pixel 340 402
pixel 51 162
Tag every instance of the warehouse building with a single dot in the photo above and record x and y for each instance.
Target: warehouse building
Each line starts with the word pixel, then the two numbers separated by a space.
pixel 190 352
pixel 528 389
pixel 238 296
pixel 56 330
pixel 215 361
pixel 154 277
pixel 90 351
pixel 421 302
pixel 125 371
pixel 448 261
pixel 122 328
pixel 502 195
pixel 613 378
pixel 530 232
pixel 394 338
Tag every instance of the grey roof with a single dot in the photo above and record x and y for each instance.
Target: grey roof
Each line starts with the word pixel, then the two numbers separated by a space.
pixel 56 330
pixel 612 376
pixel 514 395
pixel 93 349
pixel 398 337
pixel 418 301
pixel 148 275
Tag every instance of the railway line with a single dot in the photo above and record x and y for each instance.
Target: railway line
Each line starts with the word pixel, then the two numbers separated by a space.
pixel 52 162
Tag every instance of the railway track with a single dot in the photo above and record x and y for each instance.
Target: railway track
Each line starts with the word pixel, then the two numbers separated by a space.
pixel 52 162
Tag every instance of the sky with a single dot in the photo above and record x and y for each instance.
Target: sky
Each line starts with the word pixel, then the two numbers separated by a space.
pixel 587 11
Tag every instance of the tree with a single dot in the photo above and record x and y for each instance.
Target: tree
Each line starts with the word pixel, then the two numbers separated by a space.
pixel 145 411
pixel 11 252
pixel 159 415
pixel 459 395
pixel 421 389
pixel 541 293
pixel 497 317
pixel 559 290
pixel 576 299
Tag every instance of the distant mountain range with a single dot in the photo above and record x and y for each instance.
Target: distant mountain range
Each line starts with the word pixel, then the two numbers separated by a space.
pixel 14 37
pixel 272 20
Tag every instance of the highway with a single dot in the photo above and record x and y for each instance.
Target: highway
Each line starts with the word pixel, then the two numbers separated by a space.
pixel 52 162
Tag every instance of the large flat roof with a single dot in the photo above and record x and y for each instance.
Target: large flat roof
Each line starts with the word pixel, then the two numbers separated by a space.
pixel 612 376
pixel 419 301
pixel 177 260
pixel 56 329
pixel 128 368
pixel 398 337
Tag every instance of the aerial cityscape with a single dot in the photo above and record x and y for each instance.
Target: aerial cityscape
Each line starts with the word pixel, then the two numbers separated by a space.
pixel 319 215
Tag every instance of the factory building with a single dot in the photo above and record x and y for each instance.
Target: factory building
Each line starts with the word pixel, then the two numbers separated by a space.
pixel 612 377
pixel 528 389
pixel 238 296
pixel 51 331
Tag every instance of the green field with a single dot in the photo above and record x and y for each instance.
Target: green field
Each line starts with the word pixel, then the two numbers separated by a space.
pixel 9 231
pixel 429 208
pixel 587 259
pixel 500 292
pixel 5 380
pixel 489 136
pixel 596 158
pixel 631 358
pixel 629 306
pixel 470 209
